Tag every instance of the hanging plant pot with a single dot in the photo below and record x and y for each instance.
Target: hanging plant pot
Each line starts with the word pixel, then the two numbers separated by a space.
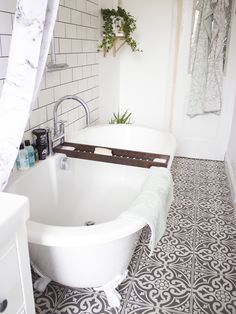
pixel 119 25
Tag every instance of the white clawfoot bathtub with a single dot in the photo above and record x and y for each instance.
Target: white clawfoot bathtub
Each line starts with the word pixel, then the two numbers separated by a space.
pixel 63 201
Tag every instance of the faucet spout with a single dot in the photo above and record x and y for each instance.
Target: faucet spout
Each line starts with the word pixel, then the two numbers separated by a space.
pixel 59 129
pixel 73 97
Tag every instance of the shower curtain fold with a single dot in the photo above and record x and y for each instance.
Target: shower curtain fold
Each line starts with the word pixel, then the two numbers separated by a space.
pixel 33 26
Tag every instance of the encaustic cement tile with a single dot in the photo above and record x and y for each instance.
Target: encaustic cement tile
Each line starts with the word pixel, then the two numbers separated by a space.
pixel 215 257
pixel 135 308
pixel 161 286
pixel 171 251
pixel 46 302
pixel 213 294
pixel 84 301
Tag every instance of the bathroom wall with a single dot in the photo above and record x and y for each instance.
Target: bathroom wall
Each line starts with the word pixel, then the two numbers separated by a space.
pixel 109 74
pixel 144 76
pixel 76 40
pixel 139 81
pixel 148 86
pixel 203 136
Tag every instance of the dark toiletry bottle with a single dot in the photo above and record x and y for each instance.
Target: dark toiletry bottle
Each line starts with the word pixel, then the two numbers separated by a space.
pixel 30 151
pixel 42 152
pixel 40 139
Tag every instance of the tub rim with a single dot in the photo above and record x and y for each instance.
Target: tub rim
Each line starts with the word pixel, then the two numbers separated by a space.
pixel 125 126
pixel 72 236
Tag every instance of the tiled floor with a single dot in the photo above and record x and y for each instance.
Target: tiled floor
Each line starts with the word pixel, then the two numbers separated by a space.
pixel 193 269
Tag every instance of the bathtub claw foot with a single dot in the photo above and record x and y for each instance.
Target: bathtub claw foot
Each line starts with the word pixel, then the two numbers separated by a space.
pixel 113 296
pixel 41 284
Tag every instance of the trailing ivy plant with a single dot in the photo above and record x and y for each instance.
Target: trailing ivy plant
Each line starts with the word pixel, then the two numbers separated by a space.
pixel 121 118
pixel 127 25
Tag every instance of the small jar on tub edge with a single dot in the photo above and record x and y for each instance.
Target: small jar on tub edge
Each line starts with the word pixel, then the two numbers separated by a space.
pixel 30 151
pixel 22 160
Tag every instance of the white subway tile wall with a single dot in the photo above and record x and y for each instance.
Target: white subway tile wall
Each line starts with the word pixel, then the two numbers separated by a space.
pixel 76 41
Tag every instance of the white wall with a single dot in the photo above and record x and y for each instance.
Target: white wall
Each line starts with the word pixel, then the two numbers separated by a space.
pixel 76 41
pixel 139 81
pixel 109 76
pixel 144 76
pixel 232 141
pixel 146 82
pixel 203 136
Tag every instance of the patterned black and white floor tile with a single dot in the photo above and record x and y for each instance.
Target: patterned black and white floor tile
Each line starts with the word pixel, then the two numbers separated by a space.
pixel 193 268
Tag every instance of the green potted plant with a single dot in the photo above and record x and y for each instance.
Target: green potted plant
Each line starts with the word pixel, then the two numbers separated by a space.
pixel 121 118
pixel 118 24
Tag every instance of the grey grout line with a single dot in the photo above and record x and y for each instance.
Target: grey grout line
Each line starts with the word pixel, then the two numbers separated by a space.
pixel 77 38
pixel 80 118
pixel 89 89
pixel 74 9
pixel 12 13
pixel 78 94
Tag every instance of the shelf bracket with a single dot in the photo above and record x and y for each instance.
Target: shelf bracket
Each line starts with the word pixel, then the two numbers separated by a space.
pixel 119 42
pixel 115 48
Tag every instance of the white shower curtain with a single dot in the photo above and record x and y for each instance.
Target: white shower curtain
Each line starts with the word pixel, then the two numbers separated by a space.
pixel 31 37
pixel 207 63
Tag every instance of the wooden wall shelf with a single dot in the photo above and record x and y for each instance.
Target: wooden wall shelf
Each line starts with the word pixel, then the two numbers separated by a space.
pixel 118 44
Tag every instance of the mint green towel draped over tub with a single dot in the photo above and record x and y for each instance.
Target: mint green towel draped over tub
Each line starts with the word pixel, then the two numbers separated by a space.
pixel 153 203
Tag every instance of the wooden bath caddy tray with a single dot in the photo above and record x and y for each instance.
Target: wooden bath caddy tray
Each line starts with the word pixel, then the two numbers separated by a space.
pixel 112 155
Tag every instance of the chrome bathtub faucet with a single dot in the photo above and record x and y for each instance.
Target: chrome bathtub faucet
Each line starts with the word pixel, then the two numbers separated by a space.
pixel 58 133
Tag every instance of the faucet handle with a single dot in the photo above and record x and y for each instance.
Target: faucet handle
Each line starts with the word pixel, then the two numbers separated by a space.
pixel 49 130
pixel 61 124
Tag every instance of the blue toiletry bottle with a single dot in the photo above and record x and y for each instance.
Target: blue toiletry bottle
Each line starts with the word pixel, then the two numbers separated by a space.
pixel 22 161
pixel 30 151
